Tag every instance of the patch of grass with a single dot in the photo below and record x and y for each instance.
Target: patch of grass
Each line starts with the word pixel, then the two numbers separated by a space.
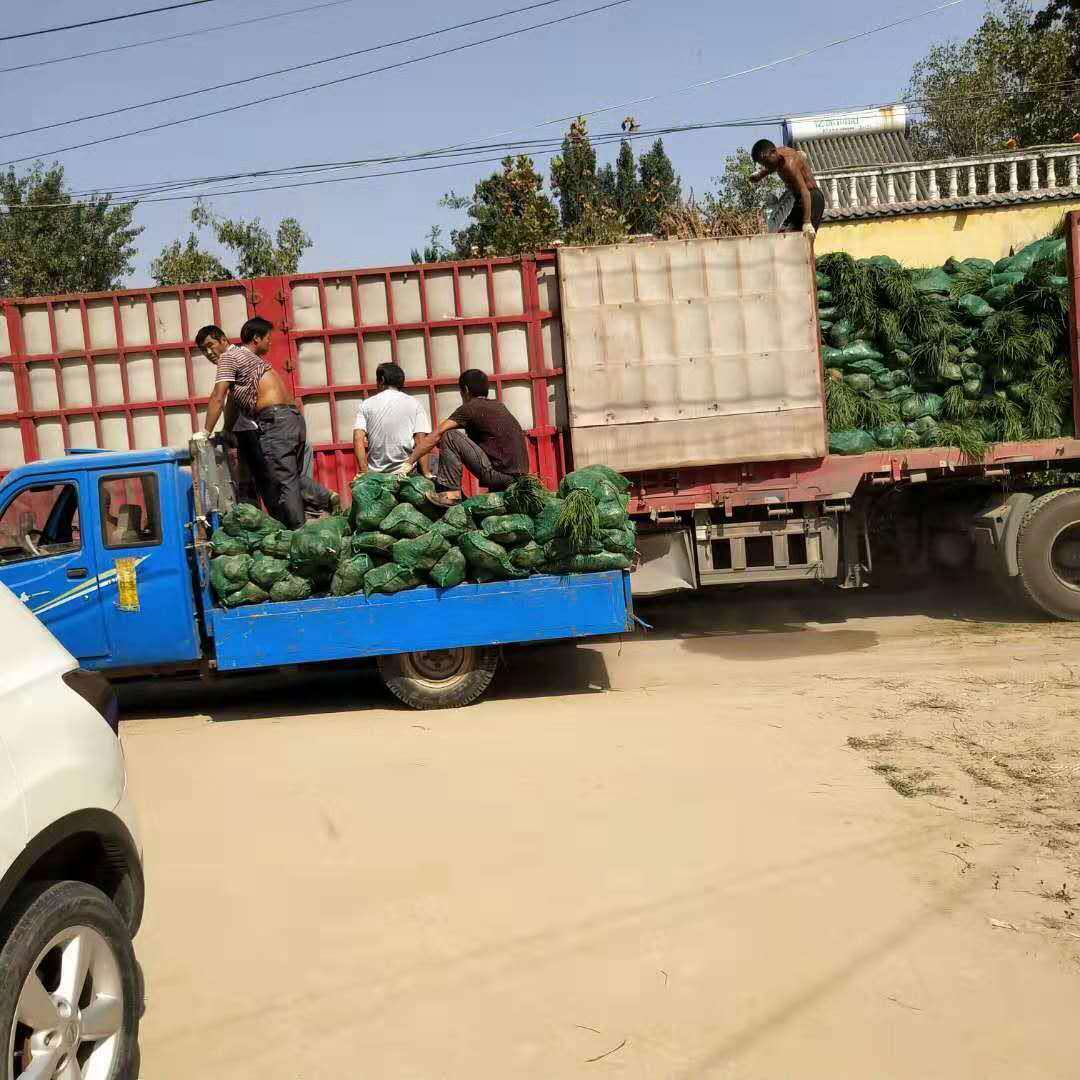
pixel 936 702
pixel 1033 774
pixel 981 776
pixel 873 742
pixel 910 784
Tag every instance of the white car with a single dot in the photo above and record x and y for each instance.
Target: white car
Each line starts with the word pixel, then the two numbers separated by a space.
pixel 71 881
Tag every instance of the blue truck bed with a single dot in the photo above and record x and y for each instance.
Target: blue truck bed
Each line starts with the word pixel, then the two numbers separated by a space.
pixel 499 613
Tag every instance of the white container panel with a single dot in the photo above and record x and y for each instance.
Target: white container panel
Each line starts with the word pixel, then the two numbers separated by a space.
pixel 513 348
pixel 167 324
pixel 479 352
pixel 339 302
pixel 147 429
pixel 43 390
pixel 178 426
pixel 199 307
pixel 173 371
pixel 547 281
pixel 509 295
pixel 439 286
pixel 140 377
pixel 551 335
pixel 50 439
pixel 69 329
pixel 114 432
pixel 411 354
pixel 9 399
pixel 306 313
pixel 75 376
pixel 378 349
pixel 5 336
pixel 37 338
pixel 616 275
pixel 345 361
pixel 81 432
pixel 473 291
pixel 101 318
pixel 200 412
pixel 558 407
pixel 421 396
pixel 447 402
pixel 405 289
pixel 345 408
pixel 11 445
pixel 233 305
pixel 108 381
pixel 517 397
pixel 317 418
pixel 204 373
pixel 445 358
pixel 134 321
pixel 371 292
pixel 311 357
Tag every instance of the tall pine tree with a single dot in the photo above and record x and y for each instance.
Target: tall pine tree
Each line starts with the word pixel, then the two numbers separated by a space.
pixel 627 188
pixel 573 175
pixel 661 188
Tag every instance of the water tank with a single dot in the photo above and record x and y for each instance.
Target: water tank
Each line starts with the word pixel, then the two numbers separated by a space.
pixel 799 129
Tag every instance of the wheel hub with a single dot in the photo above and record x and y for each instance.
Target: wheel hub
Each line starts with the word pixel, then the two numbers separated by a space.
pixel 438 664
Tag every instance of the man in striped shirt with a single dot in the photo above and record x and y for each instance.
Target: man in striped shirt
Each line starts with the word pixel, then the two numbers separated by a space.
pixel 248 385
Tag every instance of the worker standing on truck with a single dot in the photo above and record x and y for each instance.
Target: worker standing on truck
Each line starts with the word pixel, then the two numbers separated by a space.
pixel 794 169
pixel 246 381
pixel 482 436
pixel 388 425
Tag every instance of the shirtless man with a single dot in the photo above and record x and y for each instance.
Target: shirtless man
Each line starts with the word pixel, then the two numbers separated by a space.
pixel 795 171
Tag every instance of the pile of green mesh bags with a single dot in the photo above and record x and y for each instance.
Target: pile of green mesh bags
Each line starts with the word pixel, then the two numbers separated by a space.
pixel 393 538
pixel 970 353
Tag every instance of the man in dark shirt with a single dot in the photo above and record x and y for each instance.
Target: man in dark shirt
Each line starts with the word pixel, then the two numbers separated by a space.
pixel 482 436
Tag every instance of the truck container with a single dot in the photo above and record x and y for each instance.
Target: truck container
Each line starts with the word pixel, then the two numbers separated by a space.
pixel 691 366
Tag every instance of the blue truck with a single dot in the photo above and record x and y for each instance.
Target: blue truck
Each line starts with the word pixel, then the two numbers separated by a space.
pixel 111 552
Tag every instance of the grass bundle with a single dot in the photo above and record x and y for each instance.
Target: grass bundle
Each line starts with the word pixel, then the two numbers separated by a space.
pixel 579 519
pixel 1005 417
pixel 966 435
pixel 527 495
pixel 968 280
pixel 958 407
pixel 841 403
pixel 1007 334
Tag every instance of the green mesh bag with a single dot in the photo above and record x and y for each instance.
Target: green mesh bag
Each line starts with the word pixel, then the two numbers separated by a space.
pixel 612 512
pixel 223 544
pixel 229 573
pixel 557 551
pixel 841 333
pixel 860 350
pixel 921 405
pixel 421 554
pixel 372 500
pixel 932 281
pixel 414 490
pixel 855 441
pixel 389 579
pixel 484 555
pixel 900 393
pixel 266 571
pixel 373 543
pixel 859 382
pixel 316 548
pixel 591 478
pixel 248 594
pixel 527 495
pixel 547 521
pixel 508 528
pixel 591 564
pixel 405 522
pixel 866 367
pixel 972 388
pixel 623 541
pixel 975 307
pixel 278 543
pixel 889 436
pixel 482 506
pixel 528 556
pixel 244 520
pixel 349 575
pixel 926 429
pixel 290 589
pixel 449 570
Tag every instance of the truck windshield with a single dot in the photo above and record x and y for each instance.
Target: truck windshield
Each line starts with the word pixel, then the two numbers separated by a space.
pixel 40 521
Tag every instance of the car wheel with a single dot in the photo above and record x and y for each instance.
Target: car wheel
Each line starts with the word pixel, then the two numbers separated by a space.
pixel 439 678
pixel 1048 553
pixel 69 989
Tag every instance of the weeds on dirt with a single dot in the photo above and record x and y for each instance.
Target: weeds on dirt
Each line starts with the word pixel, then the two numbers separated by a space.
pixel 873 742
pixel 909 784
pixel 936 702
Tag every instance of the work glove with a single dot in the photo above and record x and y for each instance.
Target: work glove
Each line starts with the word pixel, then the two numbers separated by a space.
pixel 200 436
pixel 809 230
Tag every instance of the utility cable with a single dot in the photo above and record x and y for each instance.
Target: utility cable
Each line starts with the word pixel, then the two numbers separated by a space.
pixel 107 19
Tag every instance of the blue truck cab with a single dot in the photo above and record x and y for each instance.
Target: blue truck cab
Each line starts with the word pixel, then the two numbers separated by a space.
pixel 110 551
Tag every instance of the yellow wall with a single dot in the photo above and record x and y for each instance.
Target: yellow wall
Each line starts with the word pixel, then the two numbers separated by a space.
pixel 929 239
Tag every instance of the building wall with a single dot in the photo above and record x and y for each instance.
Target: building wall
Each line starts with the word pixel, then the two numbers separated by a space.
pixel 929 239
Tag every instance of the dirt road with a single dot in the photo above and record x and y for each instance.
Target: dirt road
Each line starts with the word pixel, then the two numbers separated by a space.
pixel 805 834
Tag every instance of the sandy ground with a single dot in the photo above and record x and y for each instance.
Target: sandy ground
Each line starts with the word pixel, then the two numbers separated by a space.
pixel 795 834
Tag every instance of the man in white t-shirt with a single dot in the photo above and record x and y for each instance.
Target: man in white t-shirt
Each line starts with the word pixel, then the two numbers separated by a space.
pixel 387 426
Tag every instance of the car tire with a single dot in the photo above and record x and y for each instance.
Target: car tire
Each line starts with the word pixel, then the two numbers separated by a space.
pixel 1043 583
pixel 439 678
pixel 54 931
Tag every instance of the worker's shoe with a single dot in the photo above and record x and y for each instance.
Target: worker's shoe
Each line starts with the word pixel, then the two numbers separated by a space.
pixel 443 499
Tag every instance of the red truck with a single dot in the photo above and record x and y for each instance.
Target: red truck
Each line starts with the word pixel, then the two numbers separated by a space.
pixel 691 366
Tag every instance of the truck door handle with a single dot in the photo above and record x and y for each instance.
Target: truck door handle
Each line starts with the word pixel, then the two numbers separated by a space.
pixel 76 573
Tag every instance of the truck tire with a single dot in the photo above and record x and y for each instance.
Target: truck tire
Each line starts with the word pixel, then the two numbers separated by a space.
pixel 69 985
pixel 439 678
pixel 1048 554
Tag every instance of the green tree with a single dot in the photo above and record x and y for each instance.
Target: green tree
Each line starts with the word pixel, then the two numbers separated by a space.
pixel 1004 82
pixel 1063 14
pixel 661 189
pixel 51 243
pixel 510 214
pixel 627 187
pixel 434 250
pixel 573 175
pixel 733 188
pixel 182 262
pixel 607 185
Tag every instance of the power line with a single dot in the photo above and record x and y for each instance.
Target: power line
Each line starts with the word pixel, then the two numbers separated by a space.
pixel 107 19
pixel 281 71
pixel 175 37
pixel 317 86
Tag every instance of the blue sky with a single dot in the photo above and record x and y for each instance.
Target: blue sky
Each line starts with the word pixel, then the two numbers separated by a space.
pixel 638 49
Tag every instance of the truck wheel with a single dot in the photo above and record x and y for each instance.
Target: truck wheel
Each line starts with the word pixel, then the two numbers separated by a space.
pixel 439 678
pixel 1048 553
pixel 69 987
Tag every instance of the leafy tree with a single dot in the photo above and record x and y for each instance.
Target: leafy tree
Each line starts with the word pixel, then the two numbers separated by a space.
pixel 434 250
pixel 1066 15
pixel 573 175
pixel 607 185
pixel 600 223
pixel 50 243
pixel 257 252
pixel 978 93
pixel 661 188
pixel 733 188
pixel 509 211
pixel 627 188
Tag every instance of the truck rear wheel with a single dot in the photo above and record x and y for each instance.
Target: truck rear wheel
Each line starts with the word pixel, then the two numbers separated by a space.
pixel 439 678
pixel 1048 553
